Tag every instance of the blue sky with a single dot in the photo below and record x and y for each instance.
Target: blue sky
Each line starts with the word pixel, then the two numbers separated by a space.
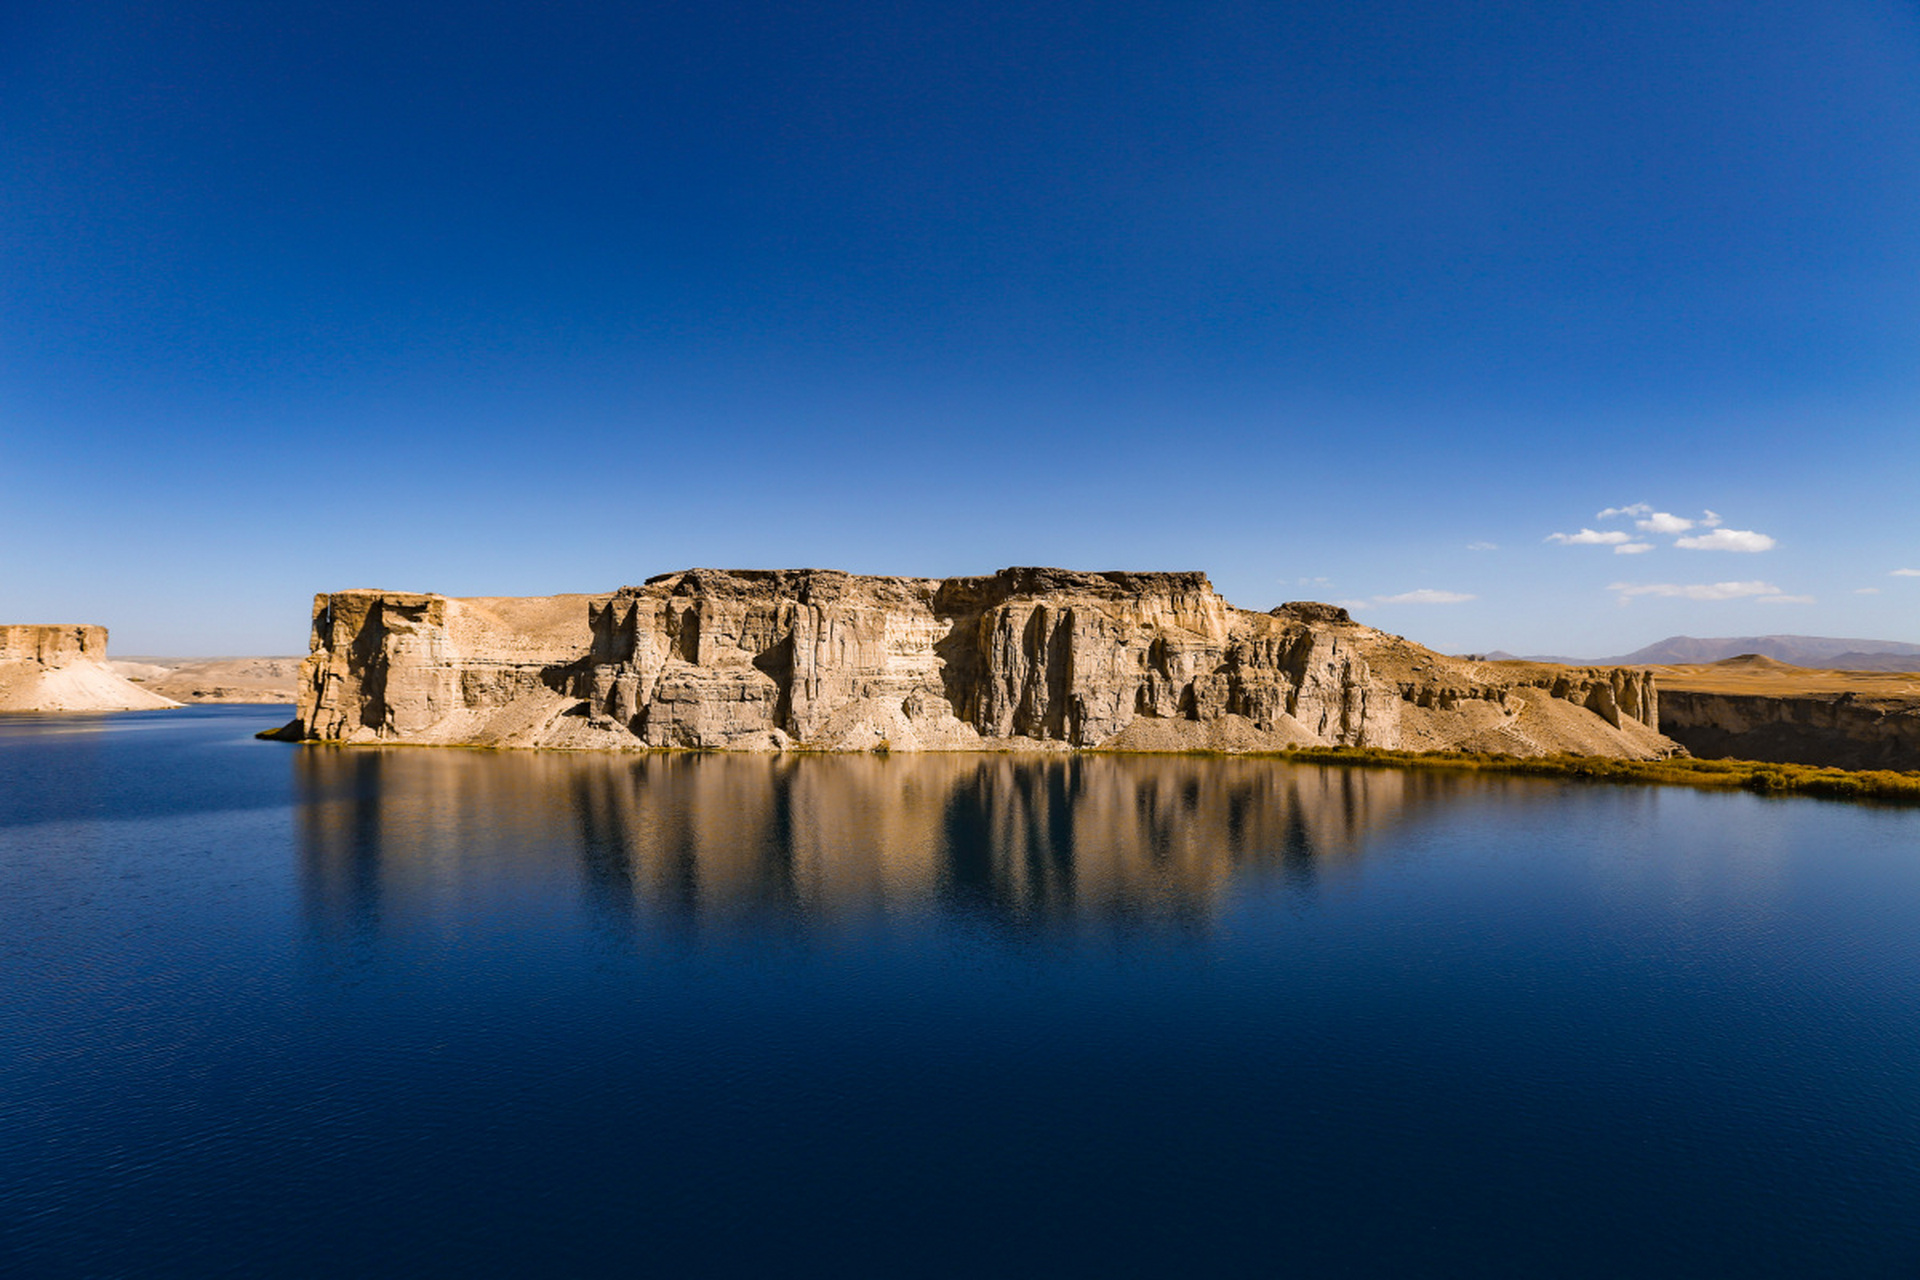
pixel 1360 301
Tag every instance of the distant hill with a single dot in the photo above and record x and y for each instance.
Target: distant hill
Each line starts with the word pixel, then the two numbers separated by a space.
pixel 214 679
pixel 1875 662
pixel 1800 651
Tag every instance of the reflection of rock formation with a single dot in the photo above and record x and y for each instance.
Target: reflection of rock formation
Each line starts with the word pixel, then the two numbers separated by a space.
pixel 387 834
pixel 1034 658
pixel 343 838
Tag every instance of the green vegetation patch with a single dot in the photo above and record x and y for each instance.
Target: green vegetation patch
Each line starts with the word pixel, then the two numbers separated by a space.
pixel 1763 776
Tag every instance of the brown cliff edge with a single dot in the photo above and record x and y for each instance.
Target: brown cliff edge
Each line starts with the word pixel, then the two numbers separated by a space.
pixel 1029 659
pixel 1755 708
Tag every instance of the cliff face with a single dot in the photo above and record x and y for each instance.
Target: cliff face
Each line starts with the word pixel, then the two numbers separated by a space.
pixel 55 646
pixel 1032 658
pixel 1845 730
pixel 63 668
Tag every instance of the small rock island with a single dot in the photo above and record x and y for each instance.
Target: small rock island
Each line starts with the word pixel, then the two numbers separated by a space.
pixel 1023 659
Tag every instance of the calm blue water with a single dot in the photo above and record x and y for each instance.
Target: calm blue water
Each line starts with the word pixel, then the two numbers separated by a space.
pixel 279 1010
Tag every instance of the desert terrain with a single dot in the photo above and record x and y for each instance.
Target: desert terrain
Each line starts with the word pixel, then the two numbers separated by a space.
pixel 212 679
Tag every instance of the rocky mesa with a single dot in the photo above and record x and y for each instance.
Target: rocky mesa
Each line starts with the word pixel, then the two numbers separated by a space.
pixel 1025 658
pixel 64 668
pixel 1753 707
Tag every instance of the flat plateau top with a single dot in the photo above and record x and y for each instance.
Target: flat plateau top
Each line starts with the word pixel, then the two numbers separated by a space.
pixel 1752 674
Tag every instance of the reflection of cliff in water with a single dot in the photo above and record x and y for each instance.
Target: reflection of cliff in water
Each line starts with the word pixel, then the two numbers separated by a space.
pixel 703 838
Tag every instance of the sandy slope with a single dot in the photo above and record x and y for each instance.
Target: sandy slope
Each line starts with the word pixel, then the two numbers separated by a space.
pixel 83 685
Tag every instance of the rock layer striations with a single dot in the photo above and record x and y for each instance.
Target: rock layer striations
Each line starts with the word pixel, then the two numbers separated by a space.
pixel 1842 730
pixel 1025 658
pixel 64 668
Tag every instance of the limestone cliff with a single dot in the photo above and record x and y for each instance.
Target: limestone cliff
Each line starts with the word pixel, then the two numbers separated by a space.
pixel 64 668
pixel 1753 707
pixel 1025 658
pixel 1845 730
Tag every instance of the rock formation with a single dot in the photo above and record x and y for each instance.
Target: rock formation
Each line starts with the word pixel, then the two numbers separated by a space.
pixel 64 668
pixel 1843 730
pixel 1025 658
pixel 1752 707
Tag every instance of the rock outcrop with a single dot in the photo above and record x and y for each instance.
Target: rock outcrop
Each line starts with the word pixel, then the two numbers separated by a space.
pixel 64 668
pixel 1025 658
pixel 1752 707
pixel 1845 730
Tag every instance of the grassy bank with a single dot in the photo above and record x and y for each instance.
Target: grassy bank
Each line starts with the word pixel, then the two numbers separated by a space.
pixel 1747 775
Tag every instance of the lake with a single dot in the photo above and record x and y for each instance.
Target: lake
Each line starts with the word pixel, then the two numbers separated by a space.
pixel 268 1009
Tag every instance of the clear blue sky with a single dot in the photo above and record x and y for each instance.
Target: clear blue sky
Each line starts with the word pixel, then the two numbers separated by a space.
pixel 1348 301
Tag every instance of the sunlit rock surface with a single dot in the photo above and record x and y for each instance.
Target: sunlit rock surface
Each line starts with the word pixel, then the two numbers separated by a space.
pixel 64 668
pixel 1031 659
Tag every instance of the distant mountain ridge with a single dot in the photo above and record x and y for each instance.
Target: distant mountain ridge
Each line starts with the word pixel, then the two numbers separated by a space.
pixel 1800 651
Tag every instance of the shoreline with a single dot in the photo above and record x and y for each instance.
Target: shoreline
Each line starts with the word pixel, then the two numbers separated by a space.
pixel 1759 777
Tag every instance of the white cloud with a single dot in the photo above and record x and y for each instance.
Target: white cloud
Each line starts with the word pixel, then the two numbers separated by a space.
pixel 1866 591
pixel 1632 548
pixel 1311 582
pixel 1647 520
pixel 1483 546
pixel 1694 591
pixel 1727 540
pixel 1351 605
pixel 1425 595
pixel 1784 600
pixel 1663 522
pixel 1905 573
pixel 1590 538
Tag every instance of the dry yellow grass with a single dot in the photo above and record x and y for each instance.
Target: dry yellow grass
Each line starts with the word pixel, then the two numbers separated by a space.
pixel 1884 785
pixel 1753 674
